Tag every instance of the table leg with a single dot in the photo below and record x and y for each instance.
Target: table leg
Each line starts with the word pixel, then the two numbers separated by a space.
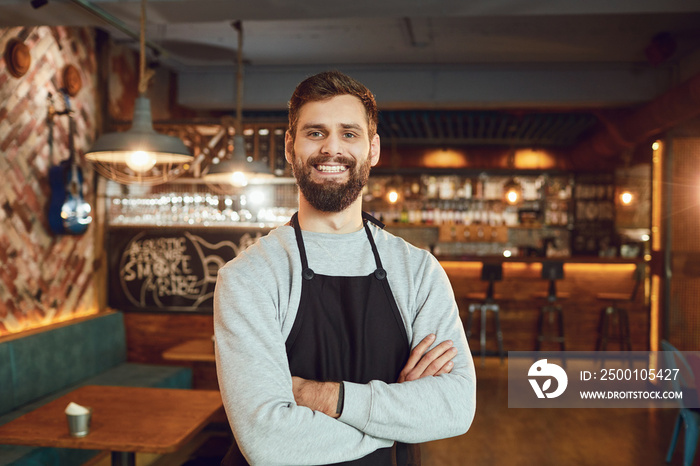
pixel 123 458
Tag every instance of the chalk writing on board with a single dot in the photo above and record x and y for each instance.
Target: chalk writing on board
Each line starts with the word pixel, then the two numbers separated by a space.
pixel 175 271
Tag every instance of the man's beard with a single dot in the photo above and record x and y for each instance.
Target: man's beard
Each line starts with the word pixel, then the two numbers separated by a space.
pixel 331 196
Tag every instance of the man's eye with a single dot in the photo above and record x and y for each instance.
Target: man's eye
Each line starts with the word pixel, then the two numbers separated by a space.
pixel 315 134
pixel 350 135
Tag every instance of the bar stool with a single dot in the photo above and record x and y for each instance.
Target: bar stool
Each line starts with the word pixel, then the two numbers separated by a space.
pixel 552 271
pixel 491 272
pixel 614 313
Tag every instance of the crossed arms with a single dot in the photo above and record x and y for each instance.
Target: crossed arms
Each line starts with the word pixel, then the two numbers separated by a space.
pixel 323 396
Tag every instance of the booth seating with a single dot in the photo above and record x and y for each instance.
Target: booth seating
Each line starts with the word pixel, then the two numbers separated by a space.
pixel 689 415
pixel 44 365
pixel 490 272
pixel 552 310
pixel 615 312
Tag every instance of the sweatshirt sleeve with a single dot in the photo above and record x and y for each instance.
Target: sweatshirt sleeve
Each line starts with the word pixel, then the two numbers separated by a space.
pixel 256 384
pixel 430 408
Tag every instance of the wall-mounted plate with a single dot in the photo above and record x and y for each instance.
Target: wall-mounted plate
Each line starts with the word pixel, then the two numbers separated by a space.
pixel 17 57
pixel 72 81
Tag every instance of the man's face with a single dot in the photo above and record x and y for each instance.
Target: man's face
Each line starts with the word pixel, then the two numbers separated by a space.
pixel 331 153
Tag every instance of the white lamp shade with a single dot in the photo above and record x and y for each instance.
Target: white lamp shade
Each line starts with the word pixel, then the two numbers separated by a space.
pixel 118 148
pixel 237 170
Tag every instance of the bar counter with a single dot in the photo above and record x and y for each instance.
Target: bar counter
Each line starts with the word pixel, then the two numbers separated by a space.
pixel 584 277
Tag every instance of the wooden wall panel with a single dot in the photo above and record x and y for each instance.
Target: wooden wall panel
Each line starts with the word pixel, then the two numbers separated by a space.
pixel 149 334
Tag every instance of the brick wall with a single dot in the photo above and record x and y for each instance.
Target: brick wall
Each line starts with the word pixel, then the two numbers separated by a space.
pixel 43 277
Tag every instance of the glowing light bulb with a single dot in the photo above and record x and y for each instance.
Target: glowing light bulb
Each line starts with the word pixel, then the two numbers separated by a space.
pixel 256 197
pixel 140 161
pixel 239 179
pixel 645 237
pixel 393 196
pixel 512 196
pixel 626 197
pixel 507 253
pixel 655 145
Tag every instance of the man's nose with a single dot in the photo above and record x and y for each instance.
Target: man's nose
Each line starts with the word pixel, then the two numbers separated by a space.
pixel 332 145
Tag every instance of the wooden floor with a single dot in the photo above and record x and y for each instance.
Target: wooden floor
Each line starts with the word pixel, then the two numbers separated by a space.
pixel 563 437
pixel 514 437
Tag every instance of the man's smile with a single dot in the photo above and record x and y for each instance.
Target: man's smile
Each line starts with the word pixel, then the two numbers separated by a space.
pixel 328 168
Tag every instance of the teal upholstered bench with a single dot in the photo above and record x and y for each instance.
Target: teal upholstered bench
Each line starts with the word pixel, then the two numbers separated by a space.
pixel 45 365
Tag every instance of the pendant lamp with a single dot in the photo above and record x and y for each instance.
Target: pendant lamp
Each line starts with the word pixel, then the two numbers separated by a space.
pixel 140 155
pixel 239 169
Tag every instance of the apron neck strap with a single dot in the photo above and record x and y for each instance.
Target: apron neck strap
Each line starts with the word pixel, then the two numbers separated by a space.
pixel 377 261
pixel 300 242
pixel 370 218
pixel 302 250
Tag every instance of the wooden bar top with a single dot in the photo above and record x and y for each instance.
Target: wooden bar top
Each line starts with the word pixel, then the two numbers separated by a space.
pixel 530 260
pixel 129 419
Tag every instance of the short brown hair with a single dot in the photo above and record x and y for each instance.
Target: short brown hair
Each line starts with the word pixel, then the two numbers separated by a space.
pixel 329 84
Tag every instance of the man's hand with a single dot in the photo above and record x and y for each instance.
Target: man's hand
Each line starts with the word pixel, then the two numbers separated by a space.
pixel 319 396
pixel 435 362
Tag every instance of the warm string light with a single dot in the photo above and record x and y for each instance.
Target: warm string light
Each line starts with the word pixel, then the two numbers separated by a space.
pixel 656 193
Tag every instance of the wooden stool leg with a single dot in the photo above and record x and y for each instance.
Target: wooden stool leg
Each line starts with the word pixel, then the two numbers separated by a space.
pixel 606 327
pixel 540 329
pixel 562 340
pixel 552 312
pixel 624 329
pixel 601 326
pixel 499 334
pixel 483 333
pixel 470 320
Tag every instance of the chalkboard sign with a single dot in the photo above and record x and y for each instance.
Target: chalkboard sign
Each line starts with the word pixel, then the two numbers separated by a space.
pixel 594 215
pixel 170 269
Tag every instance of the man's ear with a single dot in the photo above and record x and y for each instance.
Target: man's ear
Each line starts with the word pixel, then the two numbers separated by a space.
pixel 288 146
pixel 374 148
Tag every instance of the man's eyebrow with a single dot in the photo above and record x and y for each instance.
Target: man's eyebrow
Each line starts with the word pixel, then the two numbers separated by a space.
pixel 312 126
pixel 309 126
pixel 351 126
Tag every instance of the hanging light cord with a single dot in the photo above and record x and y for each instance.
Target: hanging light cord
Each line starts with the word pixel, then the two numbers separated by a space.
pixel 144 76
pixel 239 77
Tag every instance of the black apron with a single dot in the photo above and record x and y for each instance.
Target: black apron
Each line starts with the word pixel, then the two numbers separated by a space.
pixel 350 329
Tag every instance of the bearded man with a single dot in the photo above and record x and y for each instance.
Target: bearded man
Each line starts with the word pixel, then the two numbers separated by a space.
pixel 327 329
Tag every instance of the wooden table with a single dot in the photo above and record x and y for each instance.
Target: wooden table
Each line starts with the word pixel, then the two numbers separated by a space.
pixel 201 350
pixel 125 420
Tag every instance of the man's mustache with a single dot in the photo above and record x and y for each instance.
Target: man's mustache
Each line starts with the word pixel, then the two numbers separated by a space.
pixel 340 159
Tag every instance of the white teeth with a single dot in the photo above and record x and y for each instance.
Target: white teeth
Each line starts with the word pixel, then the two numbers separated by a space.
pixel 331 168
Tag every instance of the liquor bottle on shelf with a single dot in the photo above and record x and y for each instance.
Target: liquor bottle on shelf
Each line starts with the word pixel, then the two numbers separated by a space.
pixel 280 161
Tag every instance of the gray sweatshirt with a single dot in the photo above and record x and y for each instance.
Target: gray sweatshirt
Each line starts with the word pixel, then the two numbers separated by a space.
pixel 255 303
